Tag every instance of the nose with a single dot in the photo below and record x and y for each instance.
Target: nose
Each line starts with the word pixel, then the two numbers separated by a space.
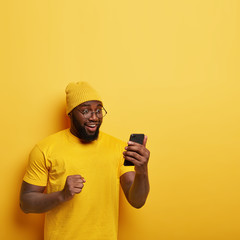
pixel 94 116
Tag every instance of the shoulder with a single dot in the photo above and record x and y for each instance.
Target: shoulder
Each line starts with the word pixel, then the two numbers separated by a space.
pixel 107 137
pixel 112 145
pixel 53 140
pixel 111 142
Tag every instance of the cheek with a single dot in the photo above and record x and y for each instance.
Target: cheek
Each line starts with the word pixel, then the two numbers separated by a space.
pixel 77 120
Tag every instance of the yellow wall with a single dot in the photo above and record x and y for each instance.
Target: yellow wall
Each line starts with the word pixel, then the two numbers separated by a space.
pixel 169 69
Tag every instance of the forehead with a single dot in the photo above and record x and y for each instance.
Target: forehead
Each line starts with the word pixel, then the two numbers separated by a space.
pixel 93 103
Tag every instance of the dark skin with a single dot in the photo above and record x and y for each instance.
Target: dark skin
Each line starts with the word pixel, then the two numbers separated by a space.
pixel 135 185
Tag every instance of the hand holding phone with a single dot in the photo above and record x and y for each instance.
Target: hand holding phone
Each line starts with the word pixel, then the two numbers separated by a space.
pixel 138 138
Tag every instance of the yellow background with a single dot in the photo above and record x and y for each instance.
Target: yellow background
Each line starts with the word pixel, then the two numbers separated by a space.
pixel 169 69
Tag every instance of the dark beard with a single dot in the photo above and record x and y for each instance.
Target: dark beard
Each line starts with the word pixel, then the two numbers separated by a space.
pixel 82 134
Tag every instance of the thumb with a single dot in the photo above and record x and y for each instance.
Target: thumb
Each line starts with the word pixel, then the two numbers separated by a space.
pixel 145 140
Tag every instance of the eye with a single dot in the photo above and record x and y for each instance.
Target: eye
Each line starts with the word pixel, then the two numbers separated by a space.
pixel 85 111
pixel 99 110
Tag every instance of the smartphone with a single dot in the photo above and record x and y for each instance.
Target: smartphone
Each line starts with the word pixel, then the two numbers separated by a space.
pixel 138 138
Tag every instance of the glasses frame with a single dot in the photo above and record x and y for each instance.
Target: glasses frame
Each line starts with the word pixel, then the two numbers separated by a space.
pixel 90 111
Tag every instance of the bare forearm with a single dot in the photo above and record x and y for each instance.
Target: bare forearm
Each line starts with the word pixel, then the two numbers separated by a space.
pixel 136 185
pixel 34 202
pixel 139 190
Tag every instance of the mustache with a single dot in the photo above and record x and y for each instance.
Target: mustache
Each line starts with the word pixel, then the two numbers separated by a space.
pixel 81 131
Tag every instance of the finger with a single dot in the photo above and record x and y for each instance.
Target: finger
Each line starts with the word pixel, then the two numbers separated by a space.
pixel 77 176
pixel 84 180
pixel 140 149
pixel 145 140
pixel 136 162
pixel 79 180
pixel 80 177
pixel 130 143
pixel 76 190
pixel 140 162
pixel 74 177
pixel 135 143
pixel 79 185
pixel 130 159
pixel 133 155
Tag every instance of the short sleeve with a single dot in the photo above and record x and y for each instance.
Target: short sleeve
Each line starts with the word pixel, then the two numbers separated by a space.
pixel 37 171
pixel 124 169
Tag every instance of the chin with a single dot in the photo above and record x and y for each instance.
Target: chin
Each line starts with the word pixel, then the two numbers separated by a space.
pixel 87 137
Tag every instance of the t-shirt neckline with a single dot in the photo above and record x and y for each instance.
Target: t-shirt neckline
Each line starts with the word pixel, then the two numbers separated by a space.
pixel 75 139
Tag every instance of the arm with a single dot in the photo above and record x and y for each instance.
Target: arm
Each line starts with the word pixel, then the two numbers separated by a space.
pixel 135 185
pixel 34 200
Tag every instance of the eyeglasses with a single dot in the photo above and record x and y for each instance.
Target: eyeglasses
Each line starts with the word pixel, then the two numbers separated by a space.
pixel 100 113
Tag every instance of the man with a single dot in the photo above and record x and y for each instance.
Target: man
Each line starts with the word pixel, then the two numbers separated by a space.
pixel 74 175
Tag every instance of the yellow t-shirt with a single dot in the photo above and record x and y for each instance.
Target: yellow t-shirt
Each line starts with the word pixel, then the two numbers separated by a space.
pixel 92 214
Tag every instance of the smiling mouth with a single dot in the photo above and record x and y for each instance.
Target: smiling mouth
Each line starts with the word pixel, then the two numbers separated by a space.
pixel 91 127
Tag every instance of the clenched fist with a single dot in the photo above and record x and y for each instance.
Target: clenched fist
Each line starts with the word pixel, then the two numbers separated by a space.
pixel 73 185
